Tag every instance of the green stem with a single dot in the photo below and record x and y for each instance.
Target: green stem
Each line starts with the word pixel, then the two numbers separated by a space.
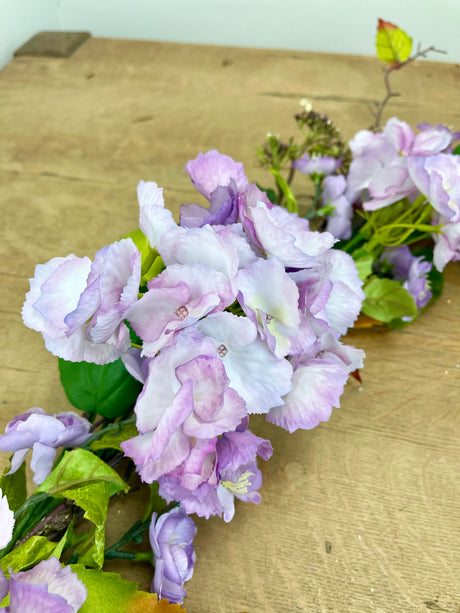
pixel 134 535
pixel 111 427
pixel 357 238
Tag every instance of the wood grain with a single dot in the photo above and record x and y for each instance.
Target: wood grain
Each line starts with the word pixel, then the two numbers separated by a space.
pixel 358 515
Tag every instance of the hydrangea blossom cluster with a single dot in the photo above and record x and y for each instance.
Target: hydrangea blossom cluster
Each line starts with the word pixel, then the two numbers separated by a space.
pixel 391 165
pixel 209 368
pixel 397 163
pixel 245 317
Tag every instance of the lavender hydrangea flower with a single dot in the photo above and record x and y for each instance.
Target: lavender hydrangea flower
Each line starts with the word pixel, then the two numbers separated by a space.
pixel 235 474
pixel 79 306
pixel 438 178
pixel 154 219
pixel 43 434
pixel 320 374
pixel 213 169
pixel 177 298
pixel 46 587
pixel 397 163
pixel 6 521
pixel 171 537
pixel 185 405
pixel 269 299
pixel 287 236
pixel 223 209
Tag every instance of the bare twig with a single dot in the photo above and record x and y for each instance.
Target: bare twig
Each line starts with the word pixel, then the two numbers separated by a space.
pixel 380 106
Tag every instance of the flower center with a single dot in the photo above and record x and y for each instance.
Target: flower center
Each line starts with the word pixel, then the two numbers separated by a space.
pixel 241 486
pixel 182 312
pixel 222 351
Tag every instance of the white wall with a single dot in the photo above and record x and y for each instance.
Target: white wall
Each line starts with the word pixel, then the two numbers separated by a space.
pixel 20 20
pixel 343 26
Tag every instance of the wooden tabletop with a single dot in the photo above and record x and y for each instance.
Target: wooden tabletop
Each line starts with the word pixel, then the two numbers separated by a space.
pixel 358 515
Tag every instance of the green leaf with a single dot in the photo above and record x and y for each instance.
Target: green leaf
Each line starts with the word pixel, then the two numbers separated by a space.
pixel 387 300
pixel 123 594
pixel 87 480
pixel 107 389
pixel 364 266
pixel 291 202
pixel 456 151
pixel 14 486
pixel 393 44
pixel 114 434
pixel 151 262
pixel 436 280
pixel 99 584
pixel 29 553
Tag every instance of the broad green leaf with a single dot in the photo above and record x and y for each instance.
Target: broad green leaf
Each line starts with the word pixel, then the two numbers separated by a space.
pixel 107 389
pixel 14 486
pixel 387 300
pixel 113 435
pixel 84 478
pixel 291 202
pixel 29 553
pixel 393 44
pixel 124 595
pixel 364 266
pixel 456 151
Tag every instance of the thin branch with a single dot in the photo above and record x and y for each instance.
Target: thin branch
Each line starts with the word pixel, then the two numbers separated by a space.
pixel 387 72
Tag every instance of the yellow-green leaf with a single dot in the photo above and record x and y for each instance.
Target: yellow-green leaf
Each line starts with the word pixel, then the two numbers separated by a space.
pixel 393 44
pixel 84 478
pixel 124 595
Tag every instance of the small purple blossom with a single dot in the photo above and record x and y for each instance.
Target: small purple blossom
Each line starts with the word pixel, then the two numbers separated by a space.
pixel 43 434
pixel 413 271
pixel 171 537
pixel 339 221
pixel 316 164
pixel 46 587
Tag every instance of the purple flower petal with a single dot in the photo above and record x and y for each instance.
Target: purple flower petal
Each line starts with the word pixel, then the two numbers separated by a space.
pixel 213 169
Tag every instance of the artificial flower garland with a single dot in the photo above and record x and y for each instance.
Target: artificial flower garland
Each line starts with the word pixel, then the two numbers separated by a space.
pixel 238 309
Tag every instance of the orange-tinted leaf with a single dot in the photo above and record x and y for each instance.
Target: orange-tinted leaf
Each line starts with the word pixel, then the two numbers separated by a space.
pixel 393 44
pixel 386 25
pixel 364 321
pixel 142 602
